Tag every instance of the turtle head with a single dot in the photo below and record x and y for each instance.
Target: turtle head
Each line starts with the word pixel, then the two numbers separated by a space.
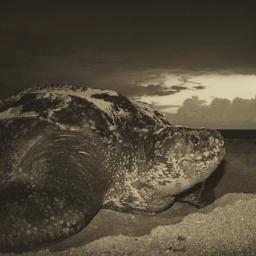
pixel 189 155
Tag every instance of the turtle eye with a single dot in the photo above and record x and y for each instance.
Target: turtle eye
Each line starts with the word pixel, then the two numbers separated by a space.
pixel 194 139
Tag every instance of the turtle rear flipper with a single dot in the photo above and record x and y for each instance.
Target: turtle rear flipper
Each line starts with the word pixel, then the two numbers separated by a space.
pixel 198 196
pixel 53 192
pixel 39 218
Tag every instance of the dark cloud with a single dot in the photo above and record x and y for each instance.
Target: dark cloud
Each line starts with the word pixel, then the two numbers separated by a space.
pixel 159 89
pixel 179 88
pixel 221 113
pixel 154 90
pixel 199 87
pixel 96 43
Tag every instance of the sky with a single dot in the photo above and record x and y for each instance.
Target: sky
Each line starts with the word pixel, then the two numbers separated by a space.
pixel 160 52
pixel 206 86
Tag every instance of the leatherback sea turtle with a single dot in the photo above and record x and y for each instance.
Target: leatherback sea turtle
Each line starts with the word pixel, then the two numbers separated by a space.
pixel 68 151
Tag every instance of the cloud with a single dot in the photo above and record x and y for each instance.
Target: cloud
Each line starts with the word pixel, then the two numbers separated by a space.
pixel 158 90
pixel 186 80
pixel 220 113
pixel 159 83
pixel 154 90
pixel 199 87
pixel 179 88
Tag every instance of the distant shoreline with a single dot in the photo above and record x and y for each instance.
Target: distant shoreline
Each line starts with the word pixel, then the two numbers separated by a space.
pixel 238 133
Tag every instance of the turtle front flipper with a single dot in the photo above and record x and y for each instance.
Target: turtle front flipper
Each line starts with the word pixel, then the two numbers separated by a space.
pixel 53 192
pixel 137 197
pixel 198 196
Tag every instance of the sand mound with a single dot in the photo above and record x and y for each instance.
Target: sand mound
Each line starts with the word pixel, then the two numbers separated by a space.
pixel 227 227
